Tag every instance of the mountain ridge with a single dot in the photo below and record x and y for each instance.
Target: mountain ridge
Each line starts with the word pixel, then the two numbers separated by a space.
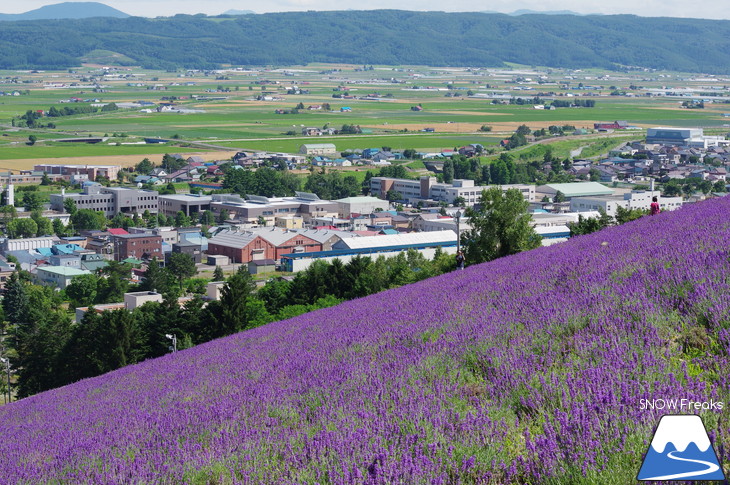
pixel 384 37
pixel 66 10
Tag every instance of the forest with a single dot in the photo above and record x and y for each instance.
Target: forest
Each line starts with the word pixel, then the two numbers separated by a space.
pixel 390 37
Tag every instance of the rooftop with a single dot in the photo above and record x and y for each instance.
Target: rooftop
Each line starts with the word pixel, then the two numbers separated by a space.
pixel 64 270
pixel 577 189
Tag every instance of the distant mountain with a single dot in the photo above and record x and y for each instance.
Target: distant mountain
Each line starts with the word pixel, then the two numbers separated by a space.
pixel 238 12
pixel 517 13
pixel 548 12
pixel 386 37
pixel 67 10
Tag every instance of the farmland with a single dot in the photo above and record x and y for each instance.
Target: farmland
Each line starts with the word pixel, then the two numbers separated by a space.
pixel 236 110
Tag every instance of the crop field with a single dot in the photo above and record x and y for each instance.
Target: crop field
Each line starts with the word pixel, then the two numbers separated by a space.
pixel 221 109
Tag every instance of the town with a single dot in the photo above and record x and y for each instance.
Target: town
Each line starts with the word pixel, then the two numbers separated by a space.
pixel 141 226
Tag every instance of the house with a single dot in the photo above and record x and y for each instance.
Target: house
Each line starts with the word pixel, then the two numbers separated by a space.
pixel 58 276
pixel 370 152
pixel 93 262
pixel 311 131
pixel 158 172
pixel 192 249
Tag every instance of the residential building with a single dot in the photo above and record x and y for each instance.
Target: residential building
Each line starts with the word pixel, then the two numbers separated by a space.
pixel 58 276
pixel 191 249
pixel 138 246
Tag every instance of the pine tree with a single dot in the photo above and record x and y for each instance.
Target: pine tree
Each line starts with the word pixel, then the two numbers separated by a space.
pixel 218 274
pixel 16 302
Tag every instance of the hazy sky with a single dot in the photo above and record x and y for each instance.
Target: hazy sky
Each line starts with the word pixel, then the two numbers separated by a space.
pixel 712 9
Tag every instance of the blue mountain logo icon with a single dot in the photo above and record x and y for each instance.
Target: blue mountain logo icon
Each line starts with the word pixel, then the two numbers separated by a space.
pixel 680 450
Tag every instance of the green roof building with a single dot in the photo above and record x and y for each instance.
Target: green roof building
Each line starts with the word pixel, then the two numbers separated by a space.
pixel 58 276
pixel 574 189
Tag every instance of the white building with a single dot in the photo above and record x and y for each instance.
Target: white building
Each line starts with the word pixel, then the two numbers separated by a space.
pixel 428 189
pixel 27 243
pixel 638 199
pixel 360 205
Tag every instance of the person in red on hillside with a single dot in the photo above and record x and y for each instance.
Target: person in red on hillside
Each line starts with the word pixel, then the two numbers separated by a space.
pixel 654 208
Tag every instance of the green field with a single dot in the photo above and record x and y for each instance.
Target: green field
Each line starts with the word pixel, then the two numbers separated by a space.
pixel 241 122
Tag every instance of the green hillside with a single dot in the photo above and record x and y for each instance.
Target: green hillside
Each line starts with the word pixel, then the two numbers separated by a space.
pixel 390 37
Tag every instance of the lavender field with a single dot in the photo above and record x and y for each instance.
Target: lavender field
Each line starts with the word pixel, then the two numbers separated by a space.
pixel 529 369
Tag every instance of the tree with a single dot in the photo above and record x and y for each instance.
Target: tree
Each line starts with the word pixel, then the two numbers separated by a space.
pixel 157 278
pixel 69 205
pixel 144 167
pixel 45 179
pixel 8 212
pixel 500 227
pixel 448 171
pixel 218 274
pixel 207 218
pixel 44 224
pixel 587 225
pixel 181 220
pixel 82 290
pixel 20 228
pixel 181 266
pixel 32 201
pixel 16 303
pixel 393 195
pixel 559 197
pixel 275 295
pixel 58 227
pixel 88 219
pixel 32 139
pixel 626 215
pixel 231 314
pixel 38 346
pixel 223 216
